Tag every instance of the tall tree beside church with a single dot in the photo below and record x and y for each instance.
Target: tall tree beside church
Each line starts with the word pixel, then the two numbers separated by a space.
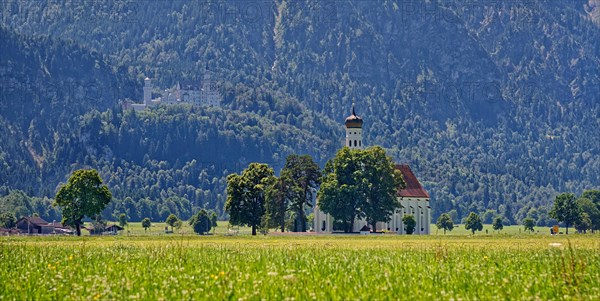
pixel 565 210
pixel 277 200
pixel 83 195
pixel 246 194
pixel 380 183
pixel 340 194
pixel 305 177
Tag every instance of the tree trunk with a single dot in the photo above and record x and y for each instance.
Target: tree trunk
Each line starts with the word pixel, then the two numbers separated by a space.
pixel 78 228
pixel 302 221
pixel 374 225
pixel 253 229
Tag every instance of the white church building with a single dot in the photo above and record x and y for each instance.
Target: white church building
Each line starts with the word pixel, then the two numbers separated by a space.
pixel 413 199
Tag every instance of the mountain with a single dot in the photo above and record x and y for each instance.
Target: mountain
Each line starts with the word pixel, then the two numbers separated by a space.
pixel 494 105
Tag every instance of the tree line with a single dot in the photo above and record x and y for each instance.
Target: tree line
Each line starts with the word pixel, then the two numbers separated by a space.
pixel 354 184
pixel 581 212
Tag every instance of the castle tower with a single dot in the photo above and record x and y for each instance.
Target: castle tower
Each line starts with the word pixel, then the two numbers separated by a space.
pixel 354 131
pixel 147 91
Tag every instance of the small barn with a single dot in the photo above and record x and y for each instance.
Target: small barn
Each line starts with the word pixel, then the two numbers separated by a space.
pixel 34 225
pixel 113 229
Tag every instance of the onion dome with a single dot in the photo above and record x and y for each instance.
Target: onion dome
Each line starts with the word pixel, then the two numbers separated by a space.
pixel 354 121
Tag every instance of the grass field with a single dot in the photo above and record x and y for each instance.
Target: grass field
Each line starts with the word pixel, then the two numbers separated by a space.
pixel 223 228
pixel 337 267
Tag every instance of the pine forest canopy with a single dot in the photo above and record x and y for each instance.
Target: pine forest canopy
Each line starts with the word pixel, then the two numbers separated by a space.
pixel 494 105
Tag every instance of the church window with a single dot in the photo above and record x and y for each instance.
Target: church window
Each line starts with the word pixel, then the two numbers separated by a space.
pixel 396 228
pixel 324 226
pixel 359 142
pixel 354 142
pixel 349 142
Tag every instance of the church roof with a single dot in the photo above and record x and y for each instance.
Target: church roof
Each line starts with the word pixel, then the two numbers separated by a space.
pixel 413 187
pixel 353 121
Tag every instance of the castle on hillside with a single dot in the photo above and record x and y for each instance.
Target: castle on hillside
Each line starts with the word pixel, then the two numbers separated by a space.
pixel 413 199
pixel 205 95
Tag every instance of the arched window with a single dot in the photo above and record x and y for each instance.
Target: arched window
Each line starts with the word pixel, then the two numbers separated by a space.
pixel 324 226
pixel 349 142
pixel 359 142
pixel 355 143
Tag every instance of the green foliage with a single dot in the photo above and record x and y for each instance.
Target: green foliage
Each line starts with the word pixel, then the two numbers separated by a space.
pixel 379 182
pixel 7 220
pixel 586 206
pixel 445 222
pixel 528 224
pixel 584 223
pixel 498 225
pixel 360 183
pixel 409 223
pixel 122 219
pixel 302 176
pixel 213 218
pixel 473 223
pixel 171 220
pixel 201 222
pixel 565 210
pixel 340 193
pixel 146 223
pixel 278 197
pixel 246 195
pixel 292 193
pixel 83 195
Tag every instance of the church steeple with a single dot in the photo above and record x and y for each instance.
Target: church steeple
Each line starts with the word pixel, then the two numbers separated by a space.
pixel 354 130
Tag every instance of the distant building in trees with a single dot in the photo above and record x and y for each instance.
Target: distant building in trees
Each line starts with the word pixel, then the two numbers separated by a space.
pixel 414 199
pixel 204 95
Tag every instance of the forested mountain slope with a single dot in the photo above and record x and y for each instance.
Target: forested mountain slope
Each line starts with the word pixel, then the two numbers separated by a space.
pixel 495 105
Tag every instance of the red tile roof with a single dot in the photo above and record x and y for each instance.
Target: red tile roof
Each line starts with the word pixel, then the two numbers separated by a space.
pixel 413 187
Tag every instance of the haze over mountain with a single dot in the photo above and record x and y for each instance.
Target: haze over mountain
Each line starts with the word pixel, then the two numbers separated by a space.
pixel 495 105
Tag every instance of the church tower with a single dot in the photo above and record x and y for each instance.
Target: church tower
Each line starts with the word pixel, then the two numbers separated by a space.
pixel 354 131
pixel 147 91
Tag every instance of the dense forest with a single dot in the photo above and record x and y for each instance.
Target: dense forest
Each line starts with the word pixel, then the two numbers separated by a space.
pixel 494 104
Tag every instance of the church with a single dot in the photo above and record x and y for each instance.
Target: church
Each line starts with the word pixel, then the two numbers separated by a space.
pixel 413 199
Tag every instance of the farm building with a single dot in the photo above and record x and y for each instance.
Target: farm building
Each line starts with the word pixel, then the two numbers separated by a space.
pixel 37 225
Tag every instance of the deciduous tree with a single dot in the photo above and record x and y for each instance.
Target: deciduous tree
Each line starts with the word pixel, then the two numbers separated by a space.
pixel 593 213
pixel 304 175
pixel 146 223
pixel 83 195
pixel 528 224
pixel 122 219
pixel 340 194
pixel 379 183
pixel 445 222
pixel 498 225
pixel 565 210
pixel 171 220
pixel 201 222
pixel 409 223
pixel 473 223
pixel 246 195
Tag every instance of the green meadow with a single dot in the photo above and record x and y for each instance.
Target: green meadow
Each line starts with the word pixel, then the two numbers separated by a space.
pixel 313 267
